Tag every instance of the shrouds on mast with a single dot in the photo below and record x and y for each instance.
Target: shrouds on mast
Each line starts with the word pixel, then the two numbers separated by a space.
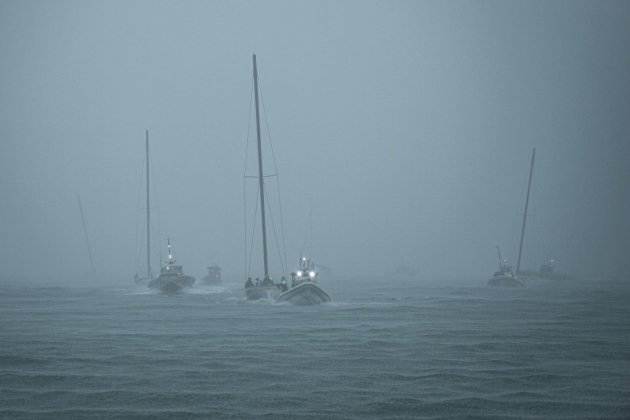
pixel 529 186
pixel 85 233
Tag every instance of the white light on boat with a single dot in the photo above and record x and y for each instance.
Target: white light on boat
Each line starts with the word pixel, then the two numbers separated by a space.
pixel 299 273
pixel 311 274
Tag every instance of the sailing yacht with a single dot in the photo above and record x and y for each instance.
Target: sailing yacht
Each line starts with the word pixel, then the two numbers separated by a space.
pixel 303 290
pixel 505 277
pixel 265 289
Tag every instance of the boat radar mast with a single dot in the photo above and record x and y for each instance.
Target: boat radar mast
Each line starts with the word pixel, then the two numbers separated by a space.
pixel 170 251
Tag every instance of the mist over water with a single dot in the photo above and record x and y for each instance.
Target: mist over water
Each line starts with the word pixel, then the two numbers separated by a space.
pixel 396 139
pixel 404 127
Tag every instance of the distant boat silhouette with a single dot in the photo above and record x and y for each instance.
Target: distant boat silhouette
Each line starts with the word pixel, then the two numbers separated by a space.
pixel 213 277
pixel 504 277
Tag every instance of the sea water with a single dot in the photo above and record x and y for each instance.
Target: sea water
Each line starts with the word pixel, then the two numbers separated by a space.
pixel 414 351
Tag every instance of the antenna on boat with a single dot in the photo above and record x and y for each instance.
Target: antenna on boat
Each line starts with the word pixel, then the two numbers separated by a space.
pixel 149 274
pixel 85 233
pixel 261 182
pixel 529 186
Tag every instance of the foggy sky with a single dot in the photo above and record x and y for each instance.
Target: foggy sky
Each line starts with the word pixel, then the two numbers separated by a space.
pixel 406 126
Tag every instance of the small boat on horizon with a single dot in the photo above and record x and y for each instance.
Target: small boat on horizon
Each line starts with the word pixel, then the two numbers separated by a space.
pixel 547 271
pixel 213 277
pixel 505 277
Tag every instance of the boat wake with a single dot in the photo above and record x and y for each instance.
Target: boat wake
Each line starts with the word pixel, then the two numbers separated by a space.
pixel 141 291
pixel 206 290
pixel 261 301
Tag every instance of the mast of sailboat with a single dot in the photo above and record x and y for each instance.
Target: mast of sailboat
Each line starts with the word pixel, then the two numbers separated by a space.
pixel 529 186
pixel 499 256
pixel 85 233
pixel 149 274
pixel 260 171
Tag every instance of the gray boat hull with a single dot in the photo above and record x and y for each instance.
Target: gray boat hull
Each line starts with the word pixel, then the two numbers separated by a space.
pixel 261 292
pixel 307 293
pixel 171 284
pixel 505 281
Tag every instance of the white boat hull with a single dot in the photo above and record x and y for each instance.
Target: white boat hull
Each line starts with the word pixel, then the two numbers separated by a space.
pixel 307 293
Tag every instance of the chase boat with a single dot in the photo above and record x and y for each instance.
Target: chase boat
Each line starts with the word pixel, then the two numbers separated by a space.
pixel 172 278
pixel 213 277
pixel 304 289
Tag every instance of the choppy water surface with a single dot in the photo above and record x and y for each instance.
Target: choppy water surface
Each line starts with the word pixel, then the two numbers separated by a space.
pixel 541 352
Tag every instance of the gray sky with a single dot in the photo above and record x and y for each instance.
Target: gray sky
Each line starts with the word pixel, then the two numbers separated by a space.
pixel 407 126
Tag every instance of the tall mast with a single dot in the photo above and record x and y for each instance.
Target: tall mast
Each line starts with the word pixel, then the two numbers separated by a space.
pixel 529 186
pixel 85 233
pixel 149 274
pixel 499 256
pixel 260 172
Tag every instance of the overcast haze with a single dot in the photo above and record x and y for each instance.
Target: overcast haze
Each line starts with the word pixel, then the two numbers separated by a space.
pixel 407 125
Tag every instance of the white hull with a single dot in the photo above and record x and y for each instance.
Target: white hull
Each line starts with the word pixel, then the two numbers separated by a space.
pixel 306 293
